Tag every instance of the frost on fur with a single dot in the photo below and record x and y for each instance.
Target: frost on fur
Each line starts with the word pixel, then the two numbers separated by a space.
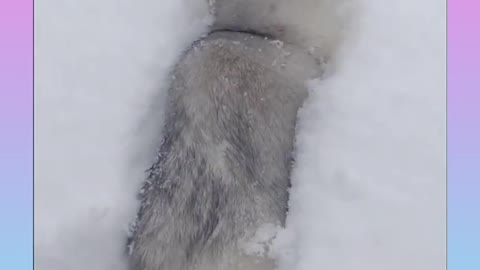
pixel 223 168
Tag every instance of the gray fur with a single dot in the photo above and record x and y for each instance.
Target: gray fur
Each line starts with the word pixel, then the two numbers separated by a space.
pixel 223 167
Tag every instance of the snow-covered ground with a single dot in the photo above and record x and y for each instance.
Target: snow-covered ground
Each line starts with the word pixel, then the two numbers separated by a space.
pixel 369 187
pixel 100 68
pixel 369 183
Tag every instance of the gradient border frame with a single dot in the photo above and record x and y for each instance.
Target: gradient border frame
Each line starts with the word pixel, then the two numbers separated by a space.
pixel 16 134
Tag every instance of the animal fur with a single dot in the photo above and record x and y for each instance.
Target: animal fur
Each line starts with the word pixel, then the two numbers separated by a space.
pixel 223 167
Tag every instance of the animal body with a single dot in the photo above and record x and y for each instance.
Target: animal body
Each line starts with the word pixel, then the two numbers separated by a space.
pixel 223 168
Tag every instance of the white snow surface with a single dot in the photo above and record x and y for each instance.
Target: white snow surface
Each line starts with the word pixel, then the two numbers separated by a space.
pixel 100 71
pixel 369 180
pixel 369 185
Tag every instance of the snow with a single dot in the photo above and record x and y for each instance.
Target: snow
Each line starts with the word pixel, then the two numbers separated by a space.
pixel 369 180
pixel 100 73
